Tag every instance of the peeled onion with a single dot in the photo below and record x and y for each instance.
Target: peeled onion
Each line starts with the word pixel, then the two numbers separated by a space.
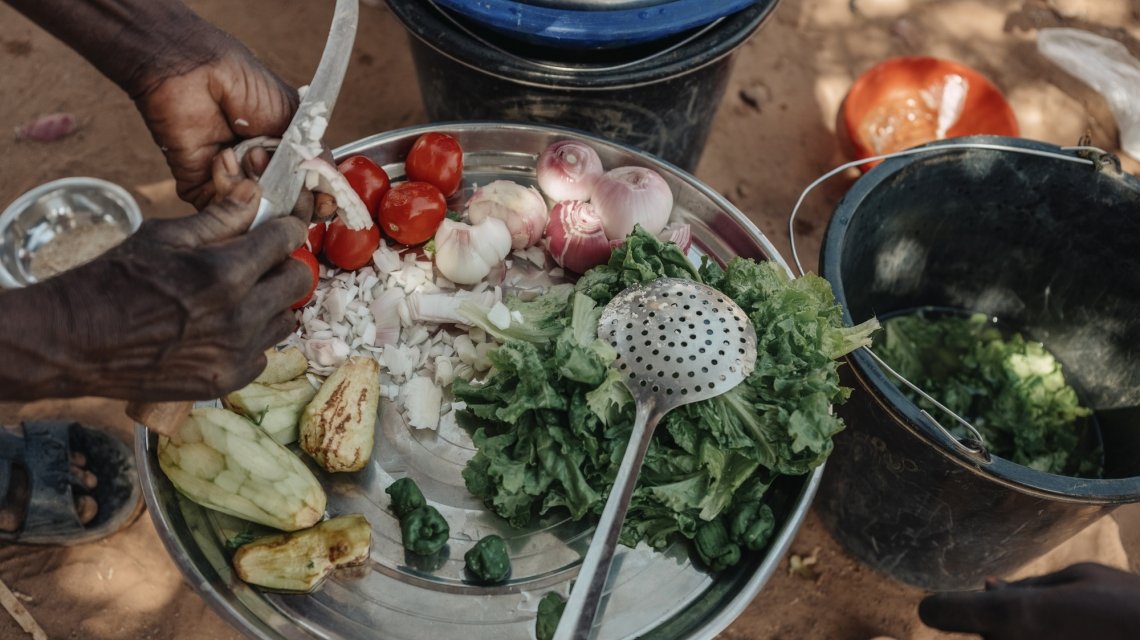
pixel 521 208
pixel 568 170
pixel 630 196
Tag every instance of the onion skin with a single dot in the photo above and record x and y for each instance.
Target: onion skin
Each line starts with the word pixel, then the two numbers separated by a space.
pixel 568 170
pixel 575 237
pixel 629 196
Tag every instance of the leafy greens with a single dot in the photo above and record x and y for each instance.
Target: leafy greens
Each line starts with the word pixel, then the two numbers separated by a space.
pixel 552 423
pixel 1011 389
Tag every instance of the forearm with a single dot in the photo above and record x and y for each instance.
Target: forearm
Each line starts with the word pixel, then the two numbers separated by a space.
pixel 34 327
pixel 135 43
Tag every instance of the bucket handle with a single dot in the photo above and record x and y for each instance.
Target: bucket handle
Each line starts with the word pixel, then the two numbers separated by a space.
pixel 975 446
pixel 566 69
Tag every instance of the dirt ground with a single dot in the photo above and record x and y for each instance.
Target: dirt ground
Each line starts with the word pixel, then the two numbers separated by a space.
pixel 773 134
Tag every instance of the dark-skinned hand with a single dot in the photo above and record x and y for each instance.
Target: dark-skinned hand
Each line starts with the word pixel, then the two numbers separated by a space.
pixel 1080 602
pixel 181 310
pixel 194 113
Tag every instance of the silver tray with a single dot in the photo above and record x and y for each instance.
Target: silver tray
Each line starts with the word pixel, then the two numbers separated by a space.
pixel 657 594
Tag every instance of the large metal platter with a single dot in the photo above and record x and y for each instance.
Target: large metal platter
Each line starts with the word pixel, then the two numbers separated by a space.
pixel 657 594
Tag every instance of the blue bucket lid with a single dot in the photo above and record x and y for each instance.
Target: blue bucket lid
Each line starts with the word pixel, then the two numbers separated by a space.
pixel 584 24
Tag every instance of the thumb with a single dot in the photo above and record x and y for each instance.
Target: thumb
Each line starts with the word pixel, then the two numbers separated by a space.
pixel 228 218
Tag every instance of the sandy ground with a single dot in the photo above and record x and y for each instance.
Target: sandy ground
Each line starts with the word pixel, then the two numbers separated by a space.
pixel 773 133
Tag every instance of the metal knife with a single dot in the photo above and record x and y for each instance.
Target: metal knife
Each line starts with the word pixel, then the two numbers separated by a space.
pixel 282 181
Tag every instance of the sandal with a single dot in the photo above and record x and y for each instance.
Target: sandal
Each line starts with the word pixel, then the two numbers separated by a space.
pixel 44 454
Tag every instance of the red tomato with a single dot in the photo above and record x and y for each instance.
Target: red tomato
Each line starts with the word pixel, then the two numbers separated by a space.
pixel 316 237
pixel 412 211
pixel 310 260
pixel 368 180
pixel 350 249
pixel 436 158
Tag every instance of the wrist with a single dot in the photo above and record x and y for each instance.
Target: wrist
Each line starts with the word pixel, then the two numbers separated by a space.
pixel 35 341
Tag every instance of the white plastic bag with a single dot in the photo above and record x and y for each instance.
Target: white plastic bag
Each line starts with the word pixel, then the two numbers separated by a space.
pixel 1106 66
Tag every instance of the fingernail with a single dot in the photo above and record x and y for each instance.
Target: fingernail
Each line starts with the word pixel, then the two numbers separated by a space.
pixel 229 161
pixel 245 191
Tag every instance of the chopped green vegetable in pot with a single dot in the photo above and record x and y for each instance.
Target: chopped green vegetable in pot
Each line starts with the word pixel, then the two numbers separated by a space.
pixel 406 497
pixel 424 530
pixel 550 609
pixel 489 559
pixel 552 423
pixel 1011 389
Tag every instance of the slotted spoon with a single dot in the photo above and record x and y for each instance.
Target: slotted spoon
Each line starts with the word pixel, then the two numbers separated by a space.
pixel 678 342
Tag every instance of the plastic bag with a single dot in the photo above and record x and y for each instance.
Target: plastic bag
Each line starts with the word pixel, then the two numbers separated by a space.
pixel 1106 66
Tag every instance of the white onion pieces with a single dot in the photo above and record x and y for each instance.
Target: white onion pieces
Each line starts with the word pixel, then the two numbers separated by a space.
pixel 568 170
pixel 629 196
pixel 575 237
pixel 521 208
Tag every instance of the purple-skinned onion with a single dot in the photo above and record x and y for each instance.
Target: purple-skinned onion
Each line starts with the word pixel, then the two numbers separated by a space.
pixel 575 237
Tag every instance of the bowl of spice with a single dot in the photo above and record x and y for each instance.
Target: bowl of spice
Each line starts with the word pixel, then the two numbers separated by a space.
pixel 61 225
pixel 908 101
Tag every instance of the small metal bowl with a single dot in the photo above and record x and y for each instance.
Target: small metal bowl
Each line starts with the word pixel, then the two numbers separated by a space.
pixel 60 225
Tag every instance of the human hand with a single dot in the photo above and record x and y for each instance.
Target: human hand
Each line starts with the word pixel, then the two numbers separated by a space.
pixel 1082 601
pixel 181 310
pixel 197 111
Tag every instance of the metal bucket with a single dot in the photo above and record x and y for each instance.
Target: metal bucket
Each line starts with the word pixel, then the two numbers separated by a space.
pixel 1050 247
pixel 660 97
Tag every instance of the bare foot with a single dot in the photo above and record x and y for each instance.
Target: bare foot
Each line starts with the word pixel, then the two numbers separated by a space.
pixel 14 508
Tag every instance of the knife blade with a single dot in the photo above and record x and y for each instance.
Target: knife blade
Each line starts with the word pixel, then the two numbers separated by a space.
pixel 282 180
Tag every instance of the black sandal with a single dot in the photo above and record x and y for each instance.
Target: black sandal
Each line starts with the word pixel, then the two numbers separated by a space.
pixel 44 453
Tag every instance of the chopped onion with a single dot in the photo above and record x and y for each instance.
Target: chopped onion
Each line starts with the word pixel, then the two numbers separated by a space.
pixel 568 170
pixel 521 208
pixel 630 196
pixel 575 237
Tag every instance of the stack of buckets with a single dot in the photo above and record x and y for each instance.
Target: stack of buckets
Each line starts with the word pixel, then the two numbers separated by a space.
pixel 647 73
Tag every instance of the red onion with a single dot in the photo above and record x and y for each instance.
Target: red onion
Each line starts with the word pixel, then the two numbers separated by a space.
pixel 629 196
pixel 48 128
pixel 574 236
pixel 679 233
pixel 567 170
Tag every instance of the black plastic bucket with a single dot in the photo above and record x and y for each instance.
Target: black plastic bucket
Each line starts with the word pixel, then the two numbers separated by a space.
pixel 1052 248
pixel 660 97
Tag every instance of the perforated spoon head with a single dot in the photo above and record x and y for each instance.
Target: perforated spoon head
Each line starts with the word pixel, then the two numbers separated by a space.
pixel 678 341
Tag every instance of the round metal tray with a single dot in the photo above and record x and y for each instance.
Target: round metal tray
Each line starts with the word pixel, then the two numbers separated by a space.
pixel 657 594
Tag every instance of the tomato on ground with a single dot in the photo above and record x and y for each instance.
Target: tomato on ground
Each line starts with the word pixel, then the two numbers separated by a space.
pixel 349 249
pixel 411 212
pixel 310 260
pixel 368 180
pixel 436 158
pixel 316 237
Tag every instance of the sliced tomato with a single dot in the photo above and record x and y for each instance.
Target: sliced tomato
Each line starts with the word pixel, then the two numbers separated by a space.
pixel 310 260
pixel 316 240
pixel 436 158
pixel 411 212
pixel 350 249
pixel 368 180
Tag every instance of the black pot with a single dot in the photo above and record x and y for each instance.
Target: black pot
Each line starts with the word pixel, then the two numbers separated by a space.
pixel 1052 248
pixel 660 97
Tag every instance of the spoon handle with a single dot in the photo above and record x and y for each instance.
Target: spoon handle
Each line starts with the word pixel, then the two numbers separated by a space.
pixel 586 596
